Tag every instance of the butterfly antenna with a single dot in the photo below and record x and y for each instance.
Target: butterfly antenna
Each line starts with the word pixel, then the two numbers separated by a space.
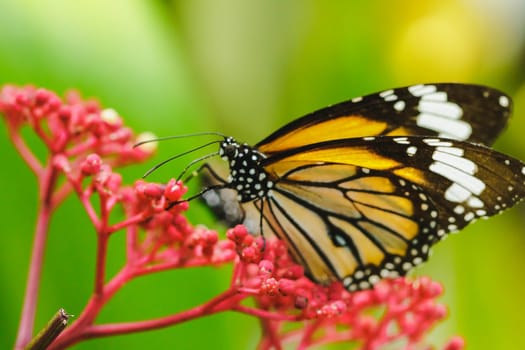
pixel 179 137
pixel 178 156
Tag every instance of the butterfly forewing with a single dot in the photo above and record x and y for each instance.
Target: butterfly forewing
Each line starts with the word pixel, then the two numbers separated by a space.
pixel 472 113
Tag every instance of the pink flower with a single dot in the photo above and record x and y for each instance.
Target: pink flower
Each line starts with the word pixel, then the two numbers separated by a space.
pixel 409 308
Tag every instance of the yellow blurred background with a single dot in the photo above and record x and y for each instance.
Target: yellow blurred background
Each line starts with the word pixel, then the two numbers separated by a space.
pixel 244 68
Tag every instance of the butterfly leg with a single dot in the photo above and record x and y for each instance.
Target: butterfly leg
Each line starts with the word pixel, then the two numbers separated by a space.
pixel 261 223
pixel 222 183
pixel 196 173
pixel 204 166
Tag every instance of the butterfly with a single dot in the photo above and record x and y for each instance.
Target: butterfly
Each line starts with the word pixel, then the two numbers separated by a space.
pixel 361 190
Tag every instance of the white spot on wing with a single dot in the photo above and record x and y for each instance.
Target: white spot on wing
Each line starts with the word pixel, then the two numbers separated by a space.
pixel 440 96
pixel 443 109
pixel 402 140
pixel 390 98
pixel 469 216
pixel 437 142
pixel 469 182
pixel 463 164
pixel 399 106
pixel 504 101
pixel 456 129
pixel 456 193
pixel 357 99
pixel 451 150
pixel 411 150
pixel 386 93
pixel 475 202
pixel 420 90
pixel 459 209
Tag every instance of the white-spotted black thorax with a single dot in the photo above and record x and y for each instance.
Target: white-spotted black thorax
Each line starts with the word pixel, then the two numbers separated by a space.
pixel 247 175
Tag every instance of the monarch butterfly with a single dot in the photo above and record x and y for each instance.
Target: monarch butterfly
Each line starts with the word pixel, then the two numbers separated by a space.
pixel 361 190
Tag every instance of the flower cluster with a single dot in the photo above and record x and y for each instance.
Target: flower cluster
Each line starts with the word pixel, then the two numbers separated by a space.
pixel 407 309
pixel 86 143
pixel 73 128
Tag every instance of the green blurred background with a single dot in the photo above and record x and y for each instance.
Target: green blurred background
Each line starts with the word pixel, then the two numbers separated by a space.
pixel 244 68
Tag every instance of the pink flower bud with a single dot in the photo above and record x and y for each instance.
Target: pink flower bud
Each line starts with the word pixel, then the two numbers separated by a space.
pixel 39 113
pixel 430 289
pixel 440 311
pixel 381 292
pixel 21 99
pixel 287 287
pixel 64 113
pixel 333 309
pixel 42 96
pixel 210 237
pixel 152 190
pixel 54 103
pixel 174 190
pixel 237 234
pixel 111 117
pixel 248 240
pixel 114 182
pixel 301 302
pixel 270 287
pixel 294 272
pixel 265 267
pixel 121 135
pixel 103 175
pixel 456 343
pixel 249 255
pixel 361 299
pixel 91 165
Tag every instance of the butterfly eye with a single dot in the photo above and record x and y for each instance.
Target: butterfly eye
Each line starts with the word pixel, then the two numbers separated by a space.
pixel 229 151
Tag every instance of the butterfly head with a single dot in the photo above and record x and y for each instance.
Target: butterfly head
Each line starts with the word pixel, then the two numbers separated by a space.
pixel 229 149
pixel 247 174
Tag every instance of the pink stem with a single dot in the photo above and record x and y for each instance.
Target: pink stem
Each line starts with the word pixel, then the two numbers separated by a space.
pixel 268 315
pixel 209 308
pixel 27 319
pixel 131 242
pixel 102 245
pixel 128 222
pixel 26 154
pixel 83 328
pixel 308 335
pixel 100 269
pixel 74 333
pixel 270 339
pixel 81 148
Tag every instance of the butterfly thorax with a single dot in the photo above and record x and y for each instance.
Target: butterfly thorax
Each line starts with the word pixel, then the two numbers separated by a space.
pixel 247 175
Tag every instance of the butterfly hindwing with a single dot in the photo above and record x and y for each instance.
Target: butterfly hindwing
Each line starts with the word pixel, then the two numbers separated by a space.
pixel 463 112
pixel 353 224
